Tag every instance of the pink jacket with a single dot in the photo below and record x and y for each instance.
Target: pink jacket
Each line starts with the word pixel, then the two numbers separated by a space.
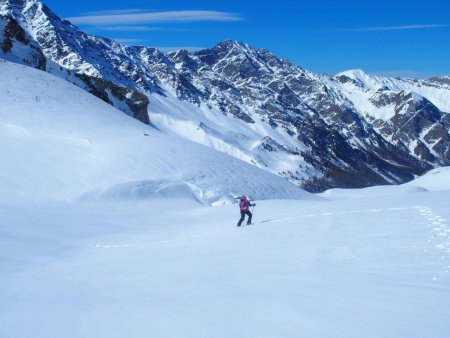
pixel 245 204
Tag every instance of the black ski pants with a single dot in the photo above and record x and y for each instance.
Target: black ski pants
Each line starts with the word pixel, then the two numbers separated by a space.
pixel 243 213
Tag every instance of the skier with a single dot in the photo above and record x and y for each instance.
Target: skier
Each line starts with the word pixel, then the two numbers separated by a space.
pixel 244 206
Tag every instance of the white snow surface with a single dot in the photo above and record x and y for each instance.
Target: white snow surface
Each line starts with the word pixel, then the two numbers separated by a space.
pixel 106 232
pixel 372 266
pixel 435 179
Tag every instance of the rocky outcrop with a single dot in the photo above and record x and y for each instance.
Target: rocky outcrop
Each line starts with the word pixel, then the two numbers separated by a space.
pixel 17 46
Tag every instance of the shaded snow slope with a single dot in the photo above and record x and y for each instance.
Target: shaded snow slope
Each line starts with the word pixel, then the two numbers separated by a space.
pixel 59 142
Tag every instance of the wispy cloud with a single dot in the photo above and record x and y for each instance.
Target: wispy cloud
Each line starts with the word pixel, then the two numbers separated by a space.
pixel 154 17
pixel 115 12
pixel 130 28
pixel 396 28
pixel 385 28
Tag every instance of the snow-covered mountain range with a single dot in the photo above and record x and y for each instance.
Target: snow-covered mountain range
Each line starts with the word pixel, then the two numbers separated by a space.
pixel 319 131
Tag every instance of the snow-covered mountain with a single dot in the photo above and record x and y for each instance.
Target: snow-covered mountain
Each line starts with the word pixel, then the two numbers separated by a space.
pixel 319 131
pixel 411 114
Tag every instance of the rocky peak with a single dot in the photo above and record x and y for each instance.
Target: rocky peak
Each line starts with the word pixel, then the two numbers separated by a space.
pixel 342 78
pixel 226 50
pixel 185 59
pixel 361 79
pixel 354 74
pixel 238 61
pixel 227 46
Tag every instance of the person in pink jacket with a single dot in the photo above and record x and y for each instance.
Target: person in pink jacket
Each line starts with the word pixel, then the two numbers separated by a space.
pixel 244 205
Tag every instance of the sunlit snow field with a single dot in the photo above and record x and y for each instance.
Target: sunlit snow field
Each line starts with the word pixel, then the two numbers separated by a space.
pixel 372 266
pixel 109 228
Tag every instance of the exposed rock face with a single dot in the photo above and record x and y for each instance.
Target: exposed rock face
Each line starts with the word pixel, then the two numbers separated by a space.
pixel 17 46
pixel 417 125
pixel 350 130
pixel 107 91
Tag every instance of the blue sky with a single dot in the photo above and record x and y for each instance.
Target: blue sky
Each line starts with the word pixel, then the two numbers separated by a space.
pixel 395 38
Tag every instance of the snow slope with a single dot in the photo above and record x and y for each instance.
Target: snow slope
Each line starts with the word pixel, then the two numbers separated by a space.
pixel 210 127
pixel 373 266
pixel 60 143
pixel 102 235
pixel 436 179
